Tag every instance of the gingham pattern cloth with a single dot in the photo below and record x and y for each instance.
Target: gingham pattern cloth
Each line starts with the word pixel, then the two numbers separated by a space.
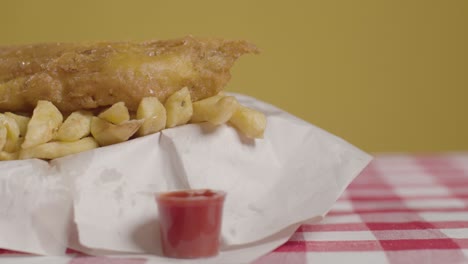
pixel 401 209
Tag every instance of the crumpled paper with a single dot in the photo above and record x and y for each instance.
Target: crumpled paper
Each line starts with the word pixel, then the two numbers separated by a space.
pixel 102 201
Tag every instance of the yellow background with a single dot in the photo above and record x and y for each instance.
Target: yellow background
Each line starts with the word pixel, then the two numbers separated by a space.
pixel 385 75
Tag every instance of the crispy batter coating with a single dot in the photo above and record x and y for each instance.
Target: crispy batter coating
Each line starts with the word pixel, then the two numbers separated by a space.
pixel 92 75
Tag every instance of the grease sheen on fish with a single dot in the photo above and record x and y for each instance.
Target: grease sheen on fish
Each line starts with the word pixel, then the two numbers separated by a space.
pixel 92 75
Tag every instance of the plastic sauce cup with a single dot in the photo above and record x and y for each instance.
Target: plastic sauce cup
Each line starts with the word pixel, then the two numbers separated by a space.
pixel 190 222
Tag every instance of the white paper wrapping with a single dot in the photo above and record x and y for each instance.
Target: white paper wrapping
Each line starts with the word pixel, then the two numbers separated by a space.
pixel 294 174
pixel 35 208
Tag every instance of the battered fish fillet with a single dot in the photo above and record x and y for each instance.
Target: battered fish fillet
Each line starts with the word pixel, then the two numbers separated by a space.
pixel 91 75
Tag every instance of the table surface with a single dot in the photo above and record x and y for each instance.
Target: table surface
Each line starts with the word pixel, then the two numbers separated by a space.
pixel 401 209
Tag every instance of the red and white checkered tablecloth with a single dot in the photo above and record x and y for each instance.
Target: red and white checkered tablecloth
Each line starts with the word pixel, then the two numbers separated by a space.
pixel 401 209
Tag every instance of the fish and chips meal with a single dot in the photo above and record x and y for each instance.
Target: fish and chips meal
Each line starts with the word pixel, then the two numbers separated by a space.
pixel 59 99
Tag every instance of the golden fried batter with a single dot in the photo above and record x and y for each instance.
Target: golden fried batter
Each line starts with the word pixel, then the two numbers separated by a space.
pixel 91 75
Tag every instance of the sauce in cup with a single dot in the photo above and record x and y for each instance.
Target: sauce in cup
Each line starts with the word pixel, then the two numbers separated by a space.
pixel 190 222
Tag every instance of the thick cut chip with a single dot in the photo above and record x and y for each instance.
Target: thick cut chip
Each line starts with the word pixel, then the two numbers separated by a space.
pixel 179 108
pixel 116 114
pixel 3 136
pixel 107 133
pixel 8 156
pixel 216 110
pixel 22 122
pixel 153 114
pixel 13 132
pixel 14 147
pixel 76 126
pixel 44 123
pixel 250 122
pixel 53 150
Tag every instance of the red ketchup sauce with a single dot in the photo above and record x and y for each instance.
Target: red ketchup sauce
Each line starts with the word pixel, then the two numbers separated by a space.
pixel 190 222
